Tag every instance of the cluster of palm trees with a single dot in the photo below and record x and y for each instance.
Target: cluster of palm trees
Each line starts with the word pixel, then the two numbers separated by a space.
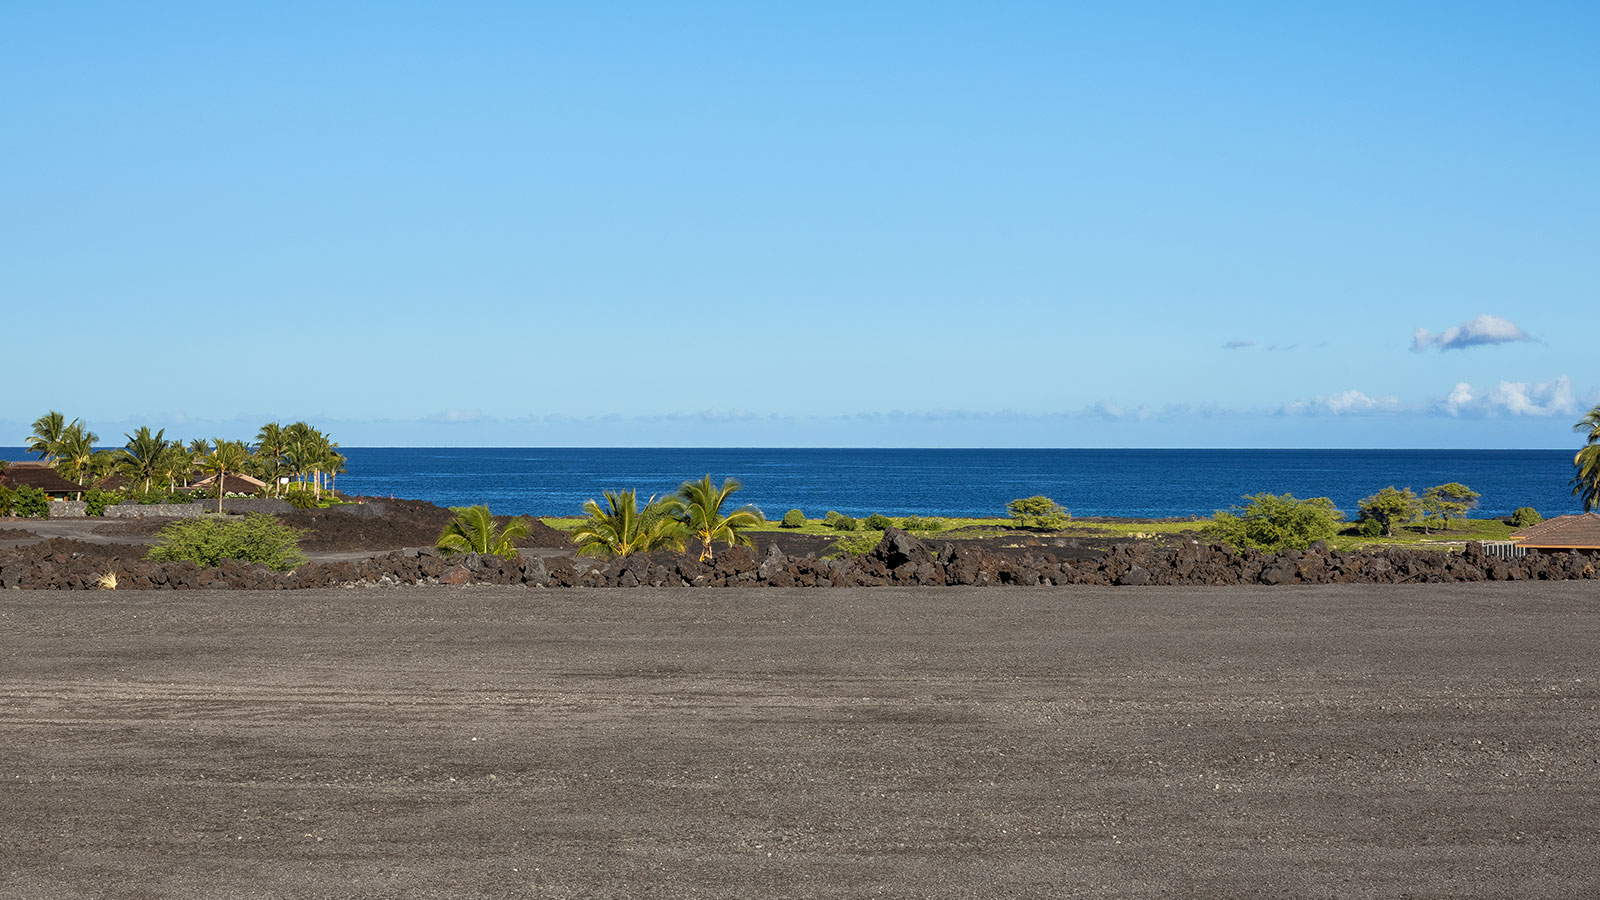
pixel 282 454
pixel 621 527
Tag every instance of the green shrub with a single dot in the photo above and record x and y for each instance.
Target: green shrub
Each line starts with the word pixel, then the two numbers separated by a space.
pixel 96 501
pixel 301 500
pixel 1039 511
pixel 877 522
pixel 7 498
pixel 843 523
pixel 854 545
pixel 1274 522
pixel 918 523
pixel 794 518
pixel 1369 528
pixel 30 503
pixel 1523 516
pixel 255 538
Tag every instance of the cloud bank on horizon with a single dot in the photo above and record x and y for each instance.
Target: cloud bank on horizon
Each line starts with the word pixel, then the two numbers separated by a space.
pixel 1483 331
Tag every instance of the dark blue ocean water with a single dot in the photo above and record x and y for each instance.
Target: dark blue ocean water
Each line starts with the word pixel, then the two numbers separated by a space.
pixel 1153 483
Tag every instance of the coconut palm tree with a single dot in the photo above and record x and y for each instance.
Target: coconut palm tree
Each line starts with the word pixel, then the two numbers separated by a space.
pixel 621 528
pixel 75 452
pixel 271 445
pixel 142 454
pixel 701 510
pixel 1586 483
pixel 335 467
pixel 473 531
pixel 48 430
pixel 175 464
pixel 227 457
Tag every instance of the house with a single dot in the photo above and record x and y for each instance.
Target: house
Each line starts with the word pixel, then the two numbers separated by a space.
pixel 39 475
pixel 1563 533
pixel 232 483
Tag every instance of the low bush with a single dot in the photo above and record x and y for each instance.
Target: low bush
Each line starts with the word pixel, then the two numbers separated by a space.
pixel 96 501
pixel 919 523
pixel 1523 516
pixel 7 498
pixel 854 545
pixel 1276 522
pixel 1369 528
pixel 30 503
pixel 877 522
pixel 843 523
pixel 255 538
pixel 794 518
pixel 301 500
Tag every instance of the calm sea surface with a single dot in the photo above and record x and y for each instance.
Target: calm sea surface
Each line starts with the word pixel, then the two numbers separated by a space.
pixel 1153 483
pixel 1150 483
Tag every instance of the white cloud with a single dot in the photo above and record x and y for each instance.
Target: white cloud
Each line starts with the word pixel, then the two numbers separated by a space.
pixel 1477 332
pixel 454 416
pixel 1351 402
pixel 1513 398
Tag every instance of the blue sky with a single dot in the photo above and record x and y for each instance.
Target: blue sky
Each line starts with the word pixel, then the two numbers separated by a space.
pixel 888 224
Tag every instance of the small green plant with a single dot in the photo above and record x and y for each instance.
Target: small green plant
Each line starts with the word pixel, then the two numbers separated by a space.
pixel 95 501
pixel 920 523
pixel 794 518
pixel 1523 516
pixel 877 522
pixel 1038 511
pixel 1369 528
pixel 473 531
pixel 30 503
pixel 842 522
pixel 1276 522
pixel 301 500
pixel 854 545
pixel 8 498
pixel 255 538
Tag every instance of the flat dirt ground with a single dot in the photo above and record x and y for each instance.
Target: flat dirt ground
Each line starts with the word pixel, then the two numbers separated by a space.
pixel 1429 741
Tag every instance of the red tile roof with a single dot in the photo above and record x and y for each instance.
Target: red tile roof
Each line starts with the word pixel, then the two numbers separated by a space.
pixel 1562 532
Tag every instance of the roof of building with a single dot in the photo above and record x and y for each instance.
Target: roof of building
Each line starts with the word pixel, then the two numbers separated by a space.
pixel 1562 532
pixel 232 483
pixel 38 475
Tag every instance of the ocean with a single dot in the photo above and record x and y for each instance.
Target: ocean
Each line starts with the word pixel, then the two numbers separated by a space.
pixel 1142 483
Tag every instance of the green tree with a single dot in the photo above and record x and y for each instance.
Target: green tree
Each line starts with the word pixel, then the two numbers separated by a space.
pixel 1390 507
pixel 1586 482
pixel 1038 512
pixel 142 454
pixel 29 502
pixel 225 458
pixel 621 528
pixel 271 445
pixel 794 518
pixel 1276 522
pixel 1523 516
pixel 700 508
pixel 75 453
pixel 1446 500
pixel 46 437
pixel 473 531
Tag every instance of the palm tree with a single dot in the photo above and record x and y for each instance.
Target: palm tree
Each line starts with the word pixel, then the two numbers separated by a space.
pixel 1586 483
pixel 307 451
pixel 75 452
pixel 227 457
pixel 335 466
pixel 175 463
pixel 701 510
pixel 143 454
pixel 622 528
pixel 48 430
pixel 472 531
pixel 271 444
